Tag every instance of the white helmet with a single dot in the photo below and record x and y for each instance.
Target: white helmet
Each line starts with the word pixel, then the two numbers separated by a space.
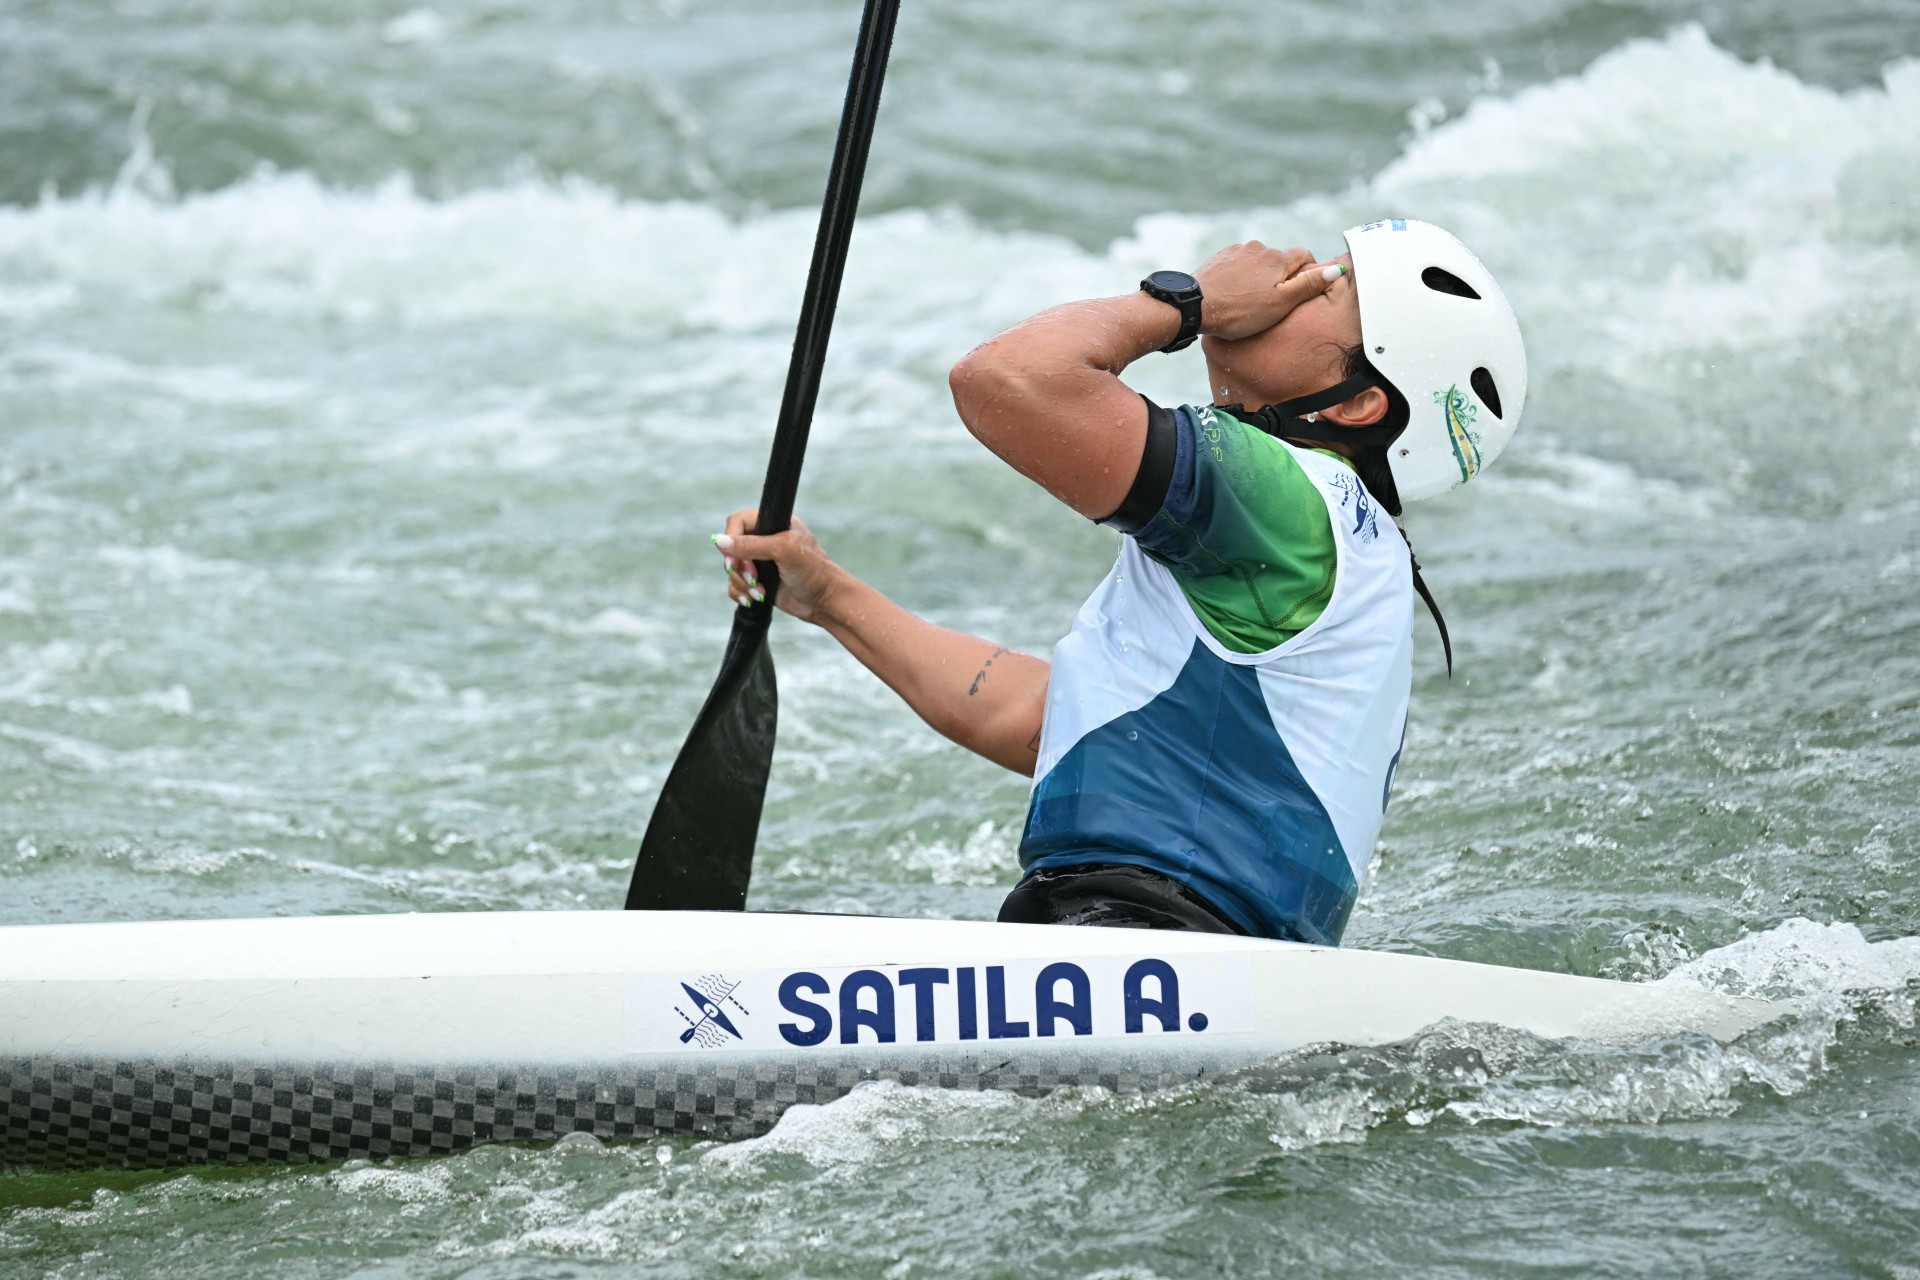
pixel 1438 328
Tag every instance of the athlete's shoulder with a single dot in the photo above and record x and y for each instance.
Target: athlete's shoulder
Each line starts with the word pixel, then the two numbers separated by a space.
pixel 1230 453
pixel 1220 433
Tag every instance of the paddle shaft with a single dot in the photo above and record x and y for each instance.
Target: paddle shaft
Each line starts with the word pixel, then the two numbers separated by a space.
pixel 697 854
pixel 823 278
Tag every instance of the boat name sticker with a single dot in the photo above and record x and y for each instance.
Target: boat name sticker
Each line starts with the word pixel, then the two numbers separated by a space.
pixel 780 1010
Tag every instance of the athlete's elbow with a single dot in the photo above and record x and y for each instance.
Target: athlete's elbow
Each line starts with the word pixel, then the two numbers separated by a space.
pixel 999 399
pixel 981 375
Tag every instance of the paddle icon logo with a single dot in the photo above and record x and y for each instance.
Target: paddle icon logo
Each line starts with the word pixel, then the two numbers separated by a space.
pixel 707 1022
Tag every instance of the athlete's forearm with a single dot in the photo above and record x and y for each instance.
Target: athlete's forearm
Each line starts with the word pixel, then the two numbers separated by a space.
pixel 1102 334
pixel 984 696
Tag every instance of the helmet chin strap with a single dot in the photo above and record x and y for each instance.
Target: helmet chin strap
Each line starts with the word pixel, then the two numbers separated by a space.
pixel 1298 419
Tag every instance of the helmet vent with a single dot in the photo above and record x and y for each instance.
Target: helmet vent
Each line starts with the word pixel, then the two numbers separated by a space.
pixel 1482 383
pixel 1446 282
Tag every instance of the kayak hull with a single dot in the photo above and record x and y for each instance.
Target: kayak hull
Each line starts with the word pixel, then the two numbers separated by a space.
pixel 77 1112
pixel 329 1038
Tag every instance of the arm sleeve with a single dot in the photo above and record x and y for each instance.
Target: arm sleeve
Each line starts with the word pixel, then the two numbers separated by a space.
pixel 1244 529
pixel 1150 483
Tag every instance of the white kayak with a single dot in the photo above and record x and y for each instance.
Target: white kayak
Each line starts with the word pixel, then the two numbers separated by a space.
pixel 340 1036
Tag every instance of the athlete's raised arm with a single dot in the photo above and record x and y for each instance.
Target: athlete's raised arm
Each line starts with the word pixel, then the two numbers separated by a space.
pixel 1046 395
pixel 984 696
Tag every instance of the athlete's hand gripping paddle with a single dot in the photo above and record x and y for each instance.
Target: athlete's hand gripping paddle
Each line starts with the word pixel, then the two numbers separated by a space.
pixel 697 854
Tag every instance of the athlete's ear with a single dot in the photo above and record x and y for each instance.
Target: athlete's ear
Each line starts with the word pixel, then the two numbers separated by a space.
pixel 1363 410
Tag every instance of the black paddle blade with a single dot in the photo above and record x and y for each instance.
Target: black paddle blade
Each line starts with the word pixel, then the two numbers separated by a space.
pixel 697 854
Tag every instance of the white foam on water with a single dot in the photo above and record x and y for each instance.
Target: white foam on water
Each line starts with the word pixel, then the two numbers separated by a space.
pixel 1661 100
pixel 1689 201
pixel 588 1238
pixel 1579 482
pixel 27 302
pixel 415 26
pixel 1806 961
pixel 34 668
pixel 1829 974
pixel 66 751
pixel 551 1222
pixel 987 857
pixel 615 621
pixel 1670 198
pixel 1686 1084
pixel 168 563
pixel 1294 1123
pixel 413 1184
pixel 113 1210
pixel 45 366
pixel 194 862
pixel 877 1115
pixel 883 1121
pixel 283 243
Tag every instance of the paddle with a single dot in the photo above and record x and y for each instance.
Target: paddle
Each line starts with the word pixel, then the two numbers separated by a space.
pixel 697 854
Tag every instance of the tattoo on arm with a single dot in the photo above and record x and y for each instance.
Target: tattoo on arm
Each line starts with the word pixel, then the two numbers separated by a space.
pixel 981 677
pixel 1033 745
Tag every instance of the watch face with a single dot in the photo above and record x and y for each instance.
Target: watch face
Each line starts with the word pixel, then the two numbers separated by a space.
pixel 1174 281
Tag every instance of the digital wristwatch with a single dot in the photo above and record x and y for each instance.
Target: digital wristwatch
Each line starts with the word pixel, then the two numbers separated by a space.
pixel 1180 290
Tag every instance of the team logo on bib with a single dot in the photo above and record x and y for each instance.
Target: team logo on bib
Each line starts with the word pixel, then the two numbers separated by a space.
pixel 1354 494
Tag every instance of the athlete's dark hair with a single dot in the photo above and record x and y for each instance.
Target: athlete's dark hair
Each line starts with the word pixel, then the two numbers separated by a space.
pixel 1371 464
pixel 1372 467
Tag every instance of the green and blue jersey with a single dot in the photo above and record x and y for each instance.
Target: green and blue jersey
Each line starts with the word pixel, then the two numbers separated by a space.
pixel 1229 706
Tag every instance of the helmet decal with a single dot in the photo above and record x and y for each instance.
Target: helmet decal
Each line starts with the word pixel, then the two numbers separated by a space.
pixel 1466 442
pixel 1438 329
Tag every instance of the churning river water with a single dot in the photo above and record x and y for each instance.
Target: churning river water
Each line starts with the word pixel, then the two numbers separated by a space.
pixel 371 376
